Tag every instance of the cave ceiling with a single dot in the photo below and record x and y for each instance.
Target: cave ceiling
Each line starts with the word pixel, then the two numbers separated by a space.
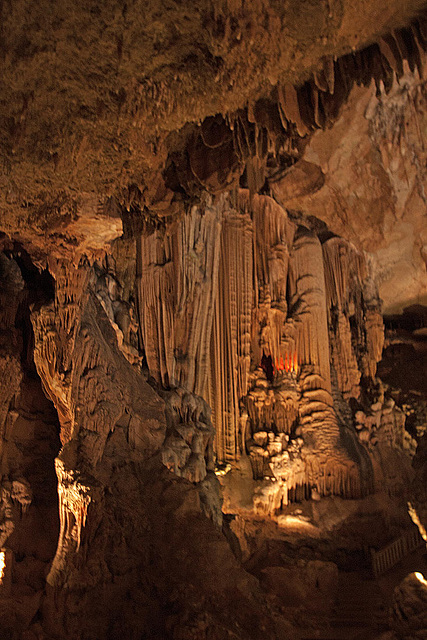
pixel 106 104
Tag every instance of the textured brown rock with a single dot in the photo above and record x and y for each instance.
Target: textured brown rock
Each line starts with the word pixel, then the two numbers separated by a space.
pixel 235 326
pixel 374 189
pixel 312 583
pixel 409 607
pixel 94 96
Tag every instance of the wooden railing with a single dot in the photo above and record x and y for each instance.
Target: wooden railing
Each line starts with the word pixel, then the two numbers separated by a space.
pixel 389 556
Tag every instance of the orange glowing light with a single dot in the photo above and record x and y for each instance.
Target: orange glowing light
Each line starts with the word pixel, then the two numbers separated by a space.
pixel 2 565
pixel 295 363
pixel 289 364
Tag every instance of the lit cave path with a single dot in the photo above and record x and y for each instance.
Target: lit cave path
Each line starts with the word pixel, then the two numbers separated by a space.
pixel 362 606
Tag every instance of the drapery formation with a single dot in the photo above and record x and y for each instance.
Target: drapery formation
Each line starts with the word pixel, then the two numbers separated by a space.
pixel 244 306
pixel 177 285
pixel 231 336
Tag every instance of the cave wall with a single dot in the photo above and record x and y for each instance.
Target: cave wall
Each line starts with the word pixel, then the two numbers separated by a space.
pixel 83 473
pixel 374 186
pixel 262 191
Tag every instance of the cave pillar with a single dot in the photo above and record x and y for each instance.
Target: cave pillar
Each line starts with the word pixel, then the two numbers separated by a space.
pixel 231 334
pixel 308 300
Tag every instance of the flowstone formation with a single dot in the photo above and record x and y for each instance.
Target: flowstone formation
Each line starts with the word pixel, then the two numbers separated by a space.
pixel 197 207
pixel 88 505
pixel 286 332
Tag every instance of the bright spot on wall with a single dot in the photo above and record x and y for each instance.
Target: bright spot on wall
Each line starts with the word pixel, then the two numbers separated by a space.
pixel 2 565
pixel 222 469
pixel 421 578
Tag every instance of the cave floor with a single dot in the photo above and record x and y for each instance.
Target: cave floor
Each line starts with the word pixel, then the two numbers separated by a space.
pixel 361 609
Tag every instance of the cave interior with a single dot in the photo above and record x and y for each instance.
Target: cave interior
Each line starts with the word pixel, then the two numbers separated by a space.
pixel 213 320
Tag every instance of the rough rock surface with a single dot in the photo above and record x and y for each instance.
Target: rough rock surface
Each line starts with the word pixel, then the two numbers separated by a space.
pixel 374 186
pixel 197 205
pixel 88 87
pixel 409 613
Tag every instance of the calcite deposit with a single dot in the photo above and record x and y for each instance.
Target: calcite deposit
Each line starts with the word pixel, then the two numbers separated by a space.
pixel 205 211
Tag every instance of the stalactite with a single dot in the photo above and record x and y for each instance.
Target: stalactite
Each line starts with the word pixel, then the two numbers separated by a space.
pixel 374 340
pixel 230 347
pixel 344 358
pixel 289 108
pixel 308 302
pixel 345 272
pixel 177 286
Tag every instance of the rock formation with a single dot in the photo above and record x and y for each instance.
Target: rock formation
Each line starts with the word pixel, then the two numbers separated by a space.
pixel 268 308
pixel 409 607
pixel 201 209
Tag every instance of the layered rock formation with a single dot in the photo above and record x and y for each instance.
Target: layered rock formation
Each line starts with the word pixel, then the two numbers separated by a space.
pixel 197 208
pixel 267 308
pixel 123 521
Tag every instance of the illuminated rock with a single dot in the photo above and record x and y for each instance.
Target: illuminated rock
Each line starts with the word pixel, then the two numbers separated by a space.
pixel 409 611
pixel 236 327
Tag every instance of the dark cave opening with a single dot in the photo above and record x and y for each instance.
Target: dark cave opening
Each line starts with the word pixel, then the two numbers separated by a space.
pixel 32 442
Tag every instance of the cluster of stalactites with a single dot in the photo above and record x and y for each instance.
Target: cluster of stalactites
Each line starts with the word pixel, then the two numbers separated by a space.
pixel 261 267
pixel 333 476
pixel 309 328
pixel 261 290
pixel 355 324
pixel 177 285
pixel 273 235
pixel 231 336
pixel 345 272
